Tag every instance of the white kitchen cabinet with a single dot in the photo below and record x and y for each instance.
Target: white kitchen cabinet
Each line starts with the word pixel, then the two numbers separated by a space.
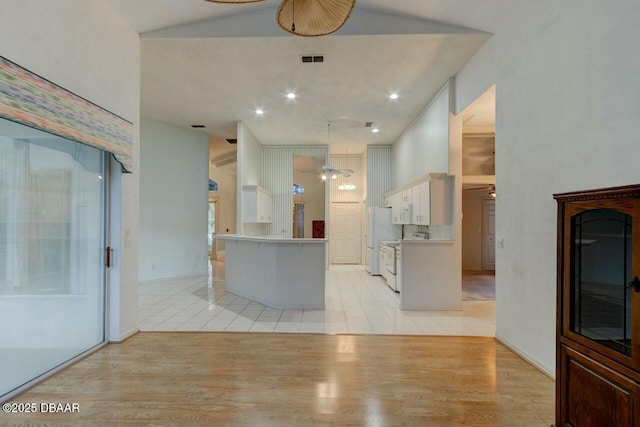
pixel 405 207
pixel 387 201
pixel 401 207
pixel 425 202
pixel 381 260
pixel 396 206
pixel 257 205
pixel 432 201
pixel 406 197
pixel 420 213
pixel 440 200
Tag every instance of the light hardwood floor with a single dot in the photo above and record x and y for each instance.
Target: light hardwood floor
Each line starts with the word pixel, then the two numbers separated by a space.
pixel 253 379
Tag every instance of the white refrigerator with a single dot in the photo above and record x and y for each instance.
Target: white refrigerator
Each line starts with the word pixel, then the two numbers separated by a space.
pixel 379 228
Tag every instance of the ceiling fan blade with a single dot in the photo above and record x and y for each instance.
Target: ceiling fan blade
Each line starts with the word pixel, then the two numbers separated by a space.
pixel 344 171
pixel 490 187
pixel 313 17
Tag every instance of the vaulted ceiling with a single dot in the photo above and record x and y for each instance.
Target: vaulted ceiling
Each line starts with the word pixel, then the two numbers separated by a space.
pixel 214 64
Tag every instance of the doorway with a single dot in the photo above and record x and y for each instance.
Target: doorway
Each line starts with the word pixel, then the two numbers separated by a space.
pixel 298 220
pixel 346 233
pixel 479 193
pixel 53 226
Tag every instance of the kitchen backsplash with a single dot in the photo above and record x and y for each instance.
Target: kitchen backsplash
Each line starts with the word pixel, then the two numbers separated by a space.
pixel 251 229
pixel 441 232
pixel 434 232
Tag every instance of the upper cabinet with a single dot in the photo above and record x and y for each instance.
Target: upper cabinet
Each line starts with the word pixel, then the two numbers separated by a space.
pixel 420 214
pixel 257 205
pixel 425 202
pixel 441 200
pixel 401 207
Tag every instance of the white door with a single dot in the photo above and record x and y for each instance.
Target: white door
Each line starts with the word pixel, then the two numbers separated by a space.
pixel 345 233
pixel 489 235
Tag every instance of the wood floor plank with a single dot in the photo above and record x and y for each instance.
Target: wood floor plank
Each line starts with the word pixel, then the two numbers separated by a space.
pixel 253 379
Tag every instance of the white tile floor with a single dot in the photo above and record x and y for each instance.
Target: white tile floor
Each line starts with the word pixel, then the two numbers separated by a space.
pixel 355 303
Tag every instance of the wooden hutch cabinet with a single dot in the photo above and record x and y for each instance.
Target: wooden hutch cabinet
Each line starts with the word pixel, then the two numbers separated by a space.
pixel 598 308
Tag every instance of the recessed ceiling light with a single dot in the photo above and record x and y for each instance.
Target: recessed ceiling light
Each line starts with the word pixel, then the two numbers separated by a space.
pixel 393 96
pixel 291 95
pixel 375 130
pixel 259 112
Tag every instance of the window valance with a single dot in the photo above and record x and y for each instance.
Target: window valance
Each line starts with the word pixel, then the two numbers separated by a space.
pixel 34 101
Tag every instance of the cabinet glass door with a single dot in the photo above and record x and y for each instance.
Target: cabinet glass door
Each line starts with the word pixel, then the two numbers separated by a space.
pixel 601 269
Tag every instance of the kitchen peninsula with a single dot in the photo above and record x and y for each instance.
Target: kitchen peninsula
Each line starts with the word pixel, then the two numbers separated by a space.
pixel 276 271
pixel 430 280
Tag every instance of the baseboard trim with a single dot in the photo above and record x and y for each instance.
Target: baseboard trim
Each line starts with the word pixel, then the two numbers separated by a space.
pixel 525 357
pixel 125 336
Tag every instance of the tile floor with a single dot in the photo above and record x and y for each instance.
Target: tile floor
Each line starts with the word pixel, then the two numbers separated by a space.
pixel 356 303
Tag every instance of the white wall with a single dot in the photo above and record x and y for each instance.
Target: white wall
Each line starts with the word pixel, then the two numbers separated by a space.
pixel 353 162
pixel 174 176
pixel 88 48
pixel 379 173
pixel 567 92
pixel 249 173
pixel 424 147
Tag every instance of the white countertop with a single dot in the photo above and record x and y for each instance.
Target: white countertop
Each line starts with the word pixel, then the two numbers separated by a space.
pixel 269 239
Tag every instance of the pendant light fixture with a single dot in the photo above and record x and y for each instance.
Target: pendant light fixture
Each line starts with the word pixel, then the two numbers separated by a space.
pixel 308 18
pixel 313 17
pixel 348 186
pixel 234 1
pixel 332 171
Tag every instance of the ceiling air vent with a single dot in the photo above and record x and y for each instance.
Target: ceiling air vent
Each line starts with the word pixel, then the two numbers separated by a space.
pixel 368 124
pixel 312 58
pixel 197 126
pixel 232 141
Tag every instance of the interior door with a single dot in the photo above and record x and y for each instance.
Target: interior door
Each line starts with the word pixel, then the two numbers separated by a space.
pixel 489 235
pixel 345 233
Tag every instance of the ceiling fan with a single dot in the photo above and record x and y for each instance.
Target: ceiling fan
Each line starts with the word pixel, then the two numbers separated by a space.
pixel 333 172
pixel 490 188
pixel 308 18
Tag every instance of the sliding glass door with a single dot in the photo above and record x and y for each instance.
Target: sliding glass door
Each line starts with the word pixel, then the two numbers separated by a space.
pixel 52 231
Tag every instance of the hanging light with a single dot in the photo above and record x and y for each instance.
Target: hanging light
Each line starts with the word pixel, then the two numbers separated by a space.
pixel 348 186
pixel 308 17
pixel 313 17
pixel 234 1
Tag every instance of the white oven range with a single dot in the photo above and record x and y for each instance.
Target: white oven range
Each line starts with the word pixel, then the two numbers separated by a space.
pixel 391 251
